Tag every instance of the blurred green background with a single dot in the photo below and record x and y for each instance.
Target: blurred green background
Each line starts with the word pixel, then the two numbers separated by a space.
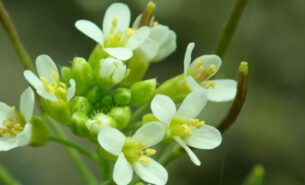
pixel 270 128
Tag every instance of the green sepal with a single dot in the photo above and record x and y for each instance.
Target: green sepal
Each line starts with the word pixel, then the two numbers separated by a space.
pixel 121 116
pixel 80 104
pixel 176 88
pixel 142 92
pixel 40 132
pixel 122 96
pixel 59 110
pixel 82 74
pixel 149 117
pixel 65 74
pixel 138 67
pixel 94 94
pixel 95 57
pixel 78 124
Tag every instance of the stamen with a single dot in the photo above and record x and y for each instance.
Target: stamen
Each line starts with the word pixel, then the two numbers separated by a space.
pixel 55 76
pixel 110 38
pixel 196 123
pixel 51 89
pixel 145 159
pixel 210 84
pixel 199 63
pixel 114 25
pixel 130 31
pixel 187 130
pixel 142 144
pixel 155 23
pixel 44 81
pixel 61 90
pixel 211 69
pixel 4 132
pixel 150 151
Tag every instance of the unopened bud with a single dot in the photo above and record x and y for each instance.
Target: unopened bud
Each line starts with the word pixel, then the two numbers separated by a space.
pixel 82 74
pixel 40 132
pixel 80 104
pixel 65 74
pixel 94 94
pixel 122 96
pixel 142 92
pixel 121 115
pixel 78 124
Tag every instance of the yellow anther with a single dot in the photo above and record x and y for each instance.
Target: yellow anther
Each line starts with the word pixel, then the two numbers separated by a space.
pixel 4 132
pixel 110 38
pixel 155 23
pixel 199 62
pixel 55 76
pixel 142 144
pixel 150 151
pixel 114 21
pixel 61 90
pixel 210 84
pixel 51 89
pixel 211 69
pixel 201 68
pixel 44 80
pixel 187 130
pixel 130 31
pixel 145 159
pixel 13 108
pixel 196 123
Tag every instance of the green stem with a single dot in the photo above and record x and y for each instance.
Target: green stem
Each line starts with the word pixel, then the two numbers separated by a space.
pixel 73 154
pixel 6 178
pixel 230 28
pixel 82 150
pixel 138 113
pixel 12 33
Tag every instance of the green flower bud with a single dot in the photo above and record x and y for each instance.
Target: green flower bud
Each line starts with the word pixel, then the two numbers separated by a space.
pixel 142 92
pixel 121 115
pixel 40 132
pixel 122 96
pixel 65 74
pixel 82 74
pixel 99 122
pixel 106 100
pixel 96 55
pixel 94 94
pixel 78 124
pixel 150 117
pixel 138 66
pixel 59 110
pixel 176 88
pixel 80 104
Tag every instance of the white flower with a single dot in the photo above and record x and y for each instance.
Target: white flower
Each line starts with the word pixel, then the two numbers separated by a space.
pixel 15 127
pixel 160 43
pixel 117 39
pixel 48 83
pixel 133 153
pixel 181 125
pixel 203 68
pixel 112 70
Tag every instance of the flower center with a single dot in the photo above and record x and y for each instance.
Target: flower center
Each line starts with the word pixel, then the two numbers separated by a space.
pixel 55 87
pixel 135 151
pixel 200 74
pixel 116 39
pixel 12 126
pixel 183 128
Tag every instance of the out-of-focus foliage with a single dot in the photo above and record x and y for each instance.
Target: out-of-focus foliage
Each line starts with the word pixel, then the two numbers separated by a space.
pixel 270 129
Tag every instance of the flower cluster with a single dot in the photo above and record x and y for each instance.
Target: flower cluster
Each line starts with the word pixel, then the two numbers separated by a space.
pixel 96 98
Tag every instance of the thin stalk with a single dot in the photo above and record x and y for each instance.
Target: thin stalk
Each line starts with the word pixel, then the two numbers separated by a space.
pixel 79 148
pixel 6 178
pixel 12 34
pixel 230 28
pixel 73 154
pixel 138 113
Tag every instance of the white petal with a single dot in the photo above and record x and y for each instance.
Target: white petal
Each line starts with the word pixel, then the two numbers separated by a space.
pixel 152 133
pixel 121 12
pixel 119 73
pixel 151 172
pixel 112 140
pixel 159 33
pixel 27 101
pixel 206 137
pixel 163 108
pixel 193 85
pixel 45 67
pixel 119 53
pixel 47 95
pixel 123 171
pixel 188 57
pixel 24 137
pixel 136 22
pixel 192 104
pixel 5 113
pixel 33 80
pixel 107 67
pixel 138 38
pixel 208 60
pixel 149 49
pixel 225 90
pixel 71 90
pixel 191 154
pixel 7 143
pixel 167 48
pixel 91 30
